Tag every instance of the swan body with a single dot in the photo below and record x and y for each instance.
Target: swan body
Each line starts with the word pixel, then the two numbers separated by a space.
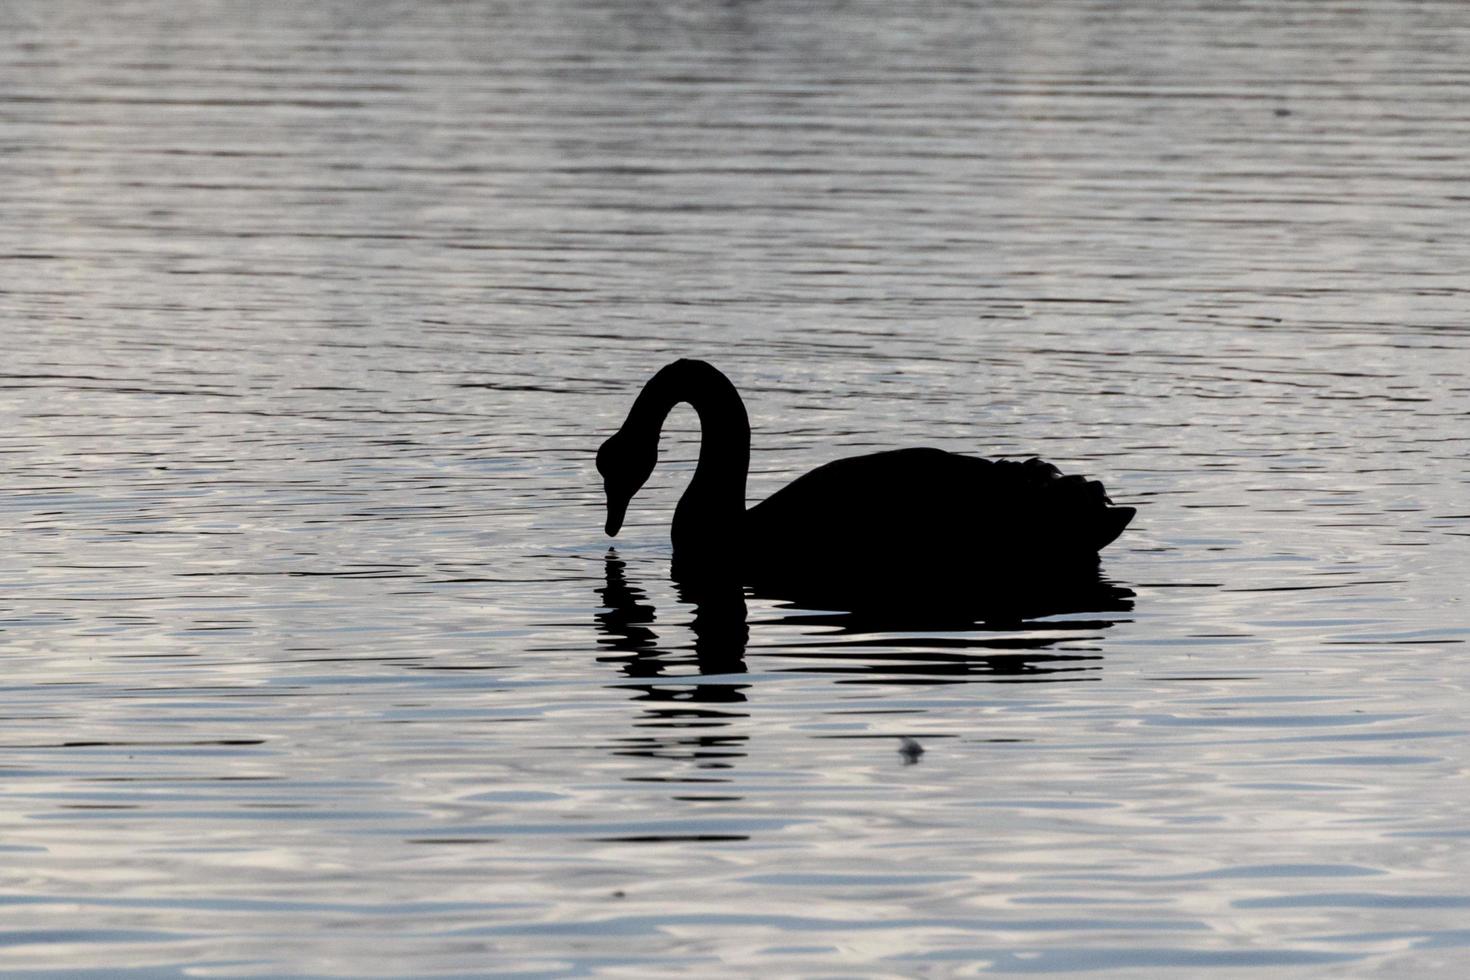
pixel 896 513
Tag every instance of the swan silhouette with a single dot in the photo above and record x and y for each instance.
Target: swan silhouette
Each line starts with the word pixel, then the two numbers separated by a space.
pixel 888 515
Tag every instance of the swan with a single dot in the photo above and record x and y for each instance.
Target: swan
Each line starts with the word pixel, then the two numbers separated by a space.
pixel 890 514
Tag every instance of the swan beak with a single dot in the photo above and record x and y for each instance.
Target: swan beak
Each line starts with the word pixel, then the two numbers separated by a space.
pixel 617 508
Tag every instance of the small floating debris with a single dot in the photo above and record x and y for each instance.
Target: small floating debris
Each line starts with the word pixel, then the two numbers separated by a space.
pixel 909 749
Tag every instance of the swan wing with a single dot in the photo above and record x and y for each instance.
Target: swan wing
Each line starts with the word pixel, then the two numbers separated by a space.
pixel 927 504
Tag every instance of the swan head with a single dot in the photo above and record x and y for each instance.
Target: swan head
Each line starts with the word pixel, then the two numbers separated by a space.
pixel 625 465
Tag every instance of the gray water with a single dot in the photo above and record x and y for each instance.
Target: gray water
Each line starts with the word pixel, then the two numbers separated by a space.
pixel 317 662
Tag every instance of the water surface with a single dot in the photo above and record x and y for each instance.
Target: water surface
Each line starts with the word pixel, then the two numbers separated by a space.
pixel 318 663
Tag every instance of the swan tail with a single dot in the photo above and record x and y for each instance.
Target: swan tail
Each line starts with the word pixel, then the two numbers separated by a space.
pixel 1082 503
pixel 1114 520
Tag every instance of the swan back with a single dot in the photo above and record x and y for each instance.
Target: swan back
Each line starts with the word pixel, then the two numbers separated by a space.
pixel 930 507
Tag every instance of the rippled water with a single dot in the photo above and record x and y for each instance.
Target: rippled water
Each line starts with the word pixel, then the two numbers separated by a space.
pixel 317 661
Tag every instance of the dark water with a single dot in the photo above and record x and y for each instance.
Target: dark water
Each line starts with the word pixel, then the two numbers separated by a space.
pixel 316 659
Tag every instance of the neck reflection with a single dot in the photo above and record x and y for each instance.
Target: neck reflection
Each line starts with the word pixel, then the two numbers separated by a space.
pixel 719 627
pixel 685 714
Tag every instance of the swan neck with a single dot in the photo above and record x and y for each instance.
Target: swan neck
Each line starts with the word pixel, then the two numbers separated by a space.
pixel 724 441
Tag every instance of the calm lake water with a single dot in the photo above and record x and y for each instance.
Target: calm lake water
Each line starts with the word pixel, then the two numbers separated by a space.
pixel 317 661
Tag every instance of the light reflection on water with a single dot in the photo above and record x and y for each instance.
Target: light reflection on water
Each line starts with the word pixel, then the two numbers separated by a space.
pixel 317 660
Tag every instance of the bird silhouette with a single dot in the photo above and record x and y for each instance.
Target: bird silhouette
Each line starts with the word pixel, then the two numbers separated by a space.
pixel 907 515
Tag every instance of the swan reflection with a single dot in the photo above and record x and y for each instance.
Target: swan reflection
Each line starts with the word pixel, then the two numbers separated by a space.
pixel 692 709
pixel 1029 629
